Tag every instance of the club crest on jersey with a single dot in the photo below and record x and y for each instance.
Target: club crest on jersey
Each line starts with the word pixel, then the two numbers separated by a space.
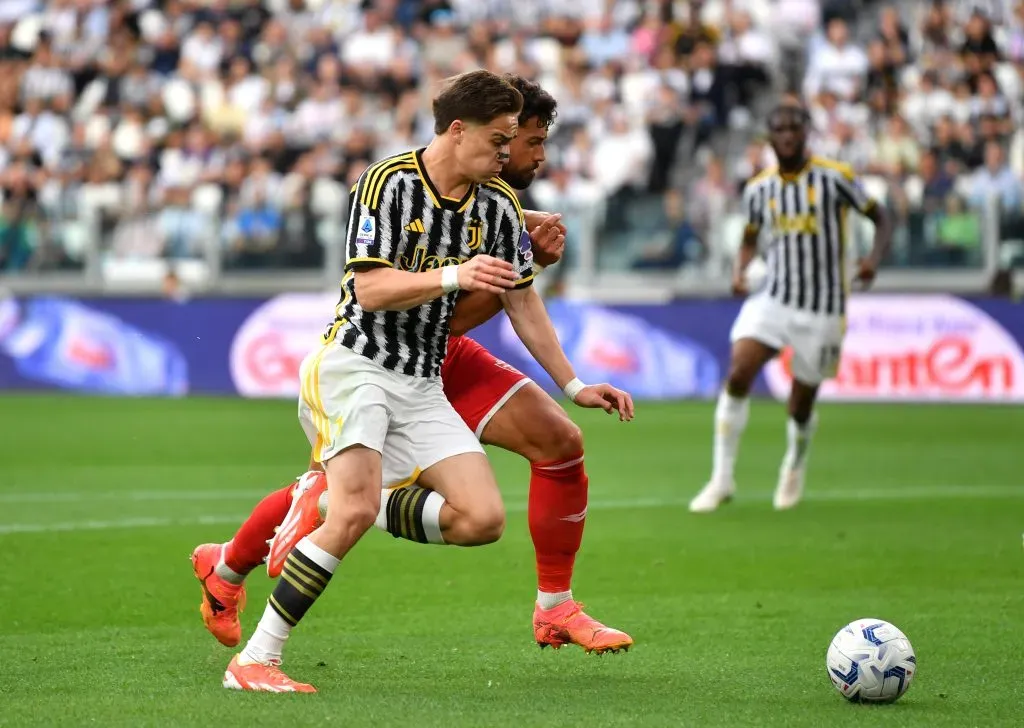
pixel 475 234
pixel 526 245
pixel 367 230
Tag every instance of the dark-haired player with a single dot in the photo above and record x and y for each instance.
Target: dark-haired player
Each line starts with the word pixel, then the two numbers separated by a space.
pixel 423 226
pixel 498 403
pixel 800 206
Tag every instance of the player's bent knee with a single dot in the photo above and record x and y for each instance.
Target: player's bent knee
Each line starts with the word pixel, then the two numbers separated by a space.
pixel 486 526
pixel 355 515
pixel 562 439
pixel 739 381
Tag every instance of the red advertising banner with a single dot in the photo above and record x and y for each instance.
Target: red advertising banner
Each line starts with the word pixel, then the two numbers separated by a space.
pixel 919 348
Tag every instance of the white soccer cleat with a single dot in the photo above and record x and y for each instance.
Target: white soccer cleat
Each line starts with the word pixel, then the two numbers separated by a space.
pixel 789 490
pixel 712 496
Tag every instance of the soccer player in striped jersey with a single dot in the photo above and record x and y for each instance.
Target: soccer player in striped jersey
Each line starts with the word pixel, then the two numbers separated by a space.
pixel 800 208
pixel 423 226
pixel 503 407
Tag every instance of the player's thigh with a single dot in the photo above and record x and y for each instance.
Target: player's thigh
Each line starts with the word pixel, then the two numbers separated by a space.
pixel 533 425
pixel 817 350
pixel 353 486
pixel 757 335
pixel 344 401
pixel 427 431
pixel 478 384
pixel 467 482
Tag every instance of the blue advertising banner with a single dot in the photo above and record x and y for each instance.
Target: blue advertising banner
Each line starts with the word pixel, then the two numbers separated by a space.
pixel 913 348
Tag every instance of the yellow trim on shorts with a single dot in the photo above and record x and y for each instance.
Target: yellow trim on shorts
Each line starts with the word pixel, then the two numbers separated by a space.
pixel 406 482
pixel 310 392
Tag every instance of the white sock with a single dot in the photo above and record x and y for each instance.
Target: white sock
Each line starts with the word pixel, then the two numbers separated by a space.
pixel 731 416
pixel 798 443
pixel 225 572
pixel 550 600
pixel 267 643
pixel 268 640
pixel 327 562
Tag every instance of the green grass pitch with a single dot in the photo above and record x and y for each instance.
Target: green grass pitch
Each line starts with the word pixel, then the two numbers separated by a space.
pixel 914 515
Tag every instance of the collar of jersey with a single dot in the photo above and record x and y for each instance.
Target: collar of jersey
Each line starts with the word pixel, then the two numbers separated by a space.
pixel 439 201
pixel 794 176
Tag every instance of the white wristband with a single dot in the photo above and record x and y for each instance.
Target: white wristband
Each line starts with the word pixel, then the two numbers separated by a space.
pixel 537 268
pixel 573 388
pixel 450 278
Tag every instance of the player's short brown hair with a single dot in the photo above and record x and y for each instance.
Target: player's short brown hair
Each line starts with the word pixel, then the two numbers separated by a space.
pixel 477 97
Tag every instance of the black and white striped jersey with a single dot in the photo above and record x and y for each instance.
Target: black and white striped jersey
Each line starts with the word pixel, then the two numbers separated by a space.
pixel 398 219
pixel 804 218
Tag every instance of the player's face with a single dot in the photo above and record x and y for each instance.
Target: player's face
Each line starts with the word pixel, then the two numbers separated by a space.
pixel 788 134
pixel 526 154
pixel 483 149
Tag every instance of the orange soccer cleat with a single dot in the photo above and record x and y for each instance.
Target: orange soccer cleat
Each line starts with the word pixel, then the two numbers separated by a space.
pixel 222 600
pixel 301 520
pixel 257 677
pixel 569 624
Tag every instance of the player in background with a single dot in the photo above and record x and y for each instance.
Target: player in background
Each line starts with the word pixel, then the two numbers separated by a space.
pixel 801 206
pixel 504 408
pixel 424 225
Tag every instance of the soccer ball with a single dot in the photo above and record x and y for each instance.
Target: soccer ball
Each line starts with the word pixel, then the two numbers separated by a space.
pixel 871 661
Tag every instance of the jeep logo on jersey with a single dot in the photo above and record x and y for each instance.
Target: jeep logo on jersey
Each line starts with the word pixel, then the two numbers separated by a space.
pixel 420 261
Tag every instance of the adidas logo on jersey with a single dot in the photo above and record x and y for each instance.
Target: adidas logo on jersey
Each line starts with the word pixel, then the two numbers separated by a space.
pixel 416 226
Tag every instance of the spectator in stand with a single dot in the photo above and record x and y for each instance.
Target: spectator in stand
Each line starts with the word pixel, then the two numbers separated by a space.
pixel 995 180
pixel 263 111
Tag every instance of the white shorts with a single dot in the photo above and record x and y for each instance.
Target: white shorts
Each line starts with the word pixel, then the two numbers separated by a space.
pixel 346 399
pixel 815 339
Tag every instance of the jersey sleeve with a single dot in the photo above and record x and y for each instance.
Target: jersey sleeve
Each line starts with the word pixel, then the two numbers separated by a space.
pixel 512 243
pixel 368 242
pixel 852 192
pixel 752 208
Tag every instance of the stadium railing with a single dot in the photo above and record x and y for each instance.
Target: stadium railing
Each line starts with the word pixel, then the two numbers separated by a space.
pixel 98 255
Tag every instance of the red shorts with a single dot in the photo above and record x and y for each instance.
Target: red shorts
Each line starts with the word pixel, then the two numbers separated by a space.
pixel 477 383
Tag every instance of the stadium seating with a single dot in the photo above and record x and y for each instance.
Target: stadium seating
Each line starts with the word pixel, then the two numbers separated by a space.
pixel 226 134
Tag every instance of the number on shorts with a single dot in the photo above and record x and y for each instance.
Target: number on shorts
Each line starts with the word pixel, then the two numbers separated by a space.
pixel 828 361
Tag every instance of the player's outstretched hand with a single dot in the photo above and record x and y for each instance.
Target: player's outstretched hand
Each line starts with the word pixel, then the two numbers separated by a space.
pixel 486 273
pixel 739 285
pixel 607 398
pixel 866 270
pixel 548 240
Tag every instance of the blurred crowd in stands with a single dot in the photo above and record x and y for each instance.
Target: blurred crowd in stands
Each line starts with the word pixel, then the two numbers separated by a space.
pixel 138 130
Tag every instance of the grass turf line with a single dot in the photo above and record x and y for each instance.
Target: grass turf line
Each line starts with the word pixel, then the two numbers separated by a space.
pixel 732 613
